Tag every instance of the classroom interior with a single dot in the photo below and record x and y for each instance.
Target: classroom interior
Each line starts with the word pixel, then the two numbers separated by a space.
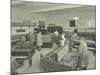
pixel 29 17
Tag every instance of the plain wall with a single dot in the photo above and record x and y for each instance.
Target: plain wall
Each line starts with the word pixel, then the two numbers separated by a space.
pixel 86 18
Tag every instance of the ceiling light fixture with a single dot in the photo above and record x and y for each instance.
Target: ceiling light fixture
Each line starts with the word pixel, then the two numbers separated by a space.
pixel 76 18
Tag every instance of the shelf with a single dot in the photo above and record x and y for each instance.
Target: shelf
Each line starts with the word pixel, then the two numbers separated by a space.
pixel 22 25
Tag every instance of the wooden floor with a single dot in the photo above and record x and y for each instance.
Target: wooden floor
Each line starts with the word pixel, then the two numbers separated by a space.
pixel 36 62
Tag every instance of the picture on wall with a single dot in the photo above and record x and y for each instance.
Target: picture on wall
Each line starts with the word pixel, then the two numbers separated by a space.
pixel 72 23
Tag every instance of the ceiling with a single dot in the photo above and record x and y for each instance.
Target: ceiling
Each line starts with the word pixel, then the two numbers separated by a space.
pixel 31 5
pixel 47 8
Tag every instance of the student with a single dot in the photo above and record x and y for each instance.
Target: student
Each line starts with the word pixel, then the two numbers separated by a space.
pixel 74 35
pixel 33 37
pixel 39 40
pixel 22 41
pixel 72 39
pixel 55 39
pixel 63 39
pixel 83 52
pixel 56 33
pixel 30 60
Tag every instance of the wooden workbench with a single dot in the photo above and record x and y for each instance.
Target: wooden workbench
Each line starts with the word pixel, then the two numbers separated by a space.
pixel 59 60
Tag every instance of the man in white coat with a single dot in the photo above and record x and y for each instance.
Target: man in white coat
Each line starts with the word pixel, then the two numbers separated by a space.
pixel 63 39
pixel 39 40
pixel 83 51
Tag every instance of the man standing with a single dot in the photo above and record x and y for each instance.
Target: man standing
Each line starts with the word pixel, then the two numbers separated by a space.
pixel 72 39
pixel 55 40
pixel 39 41
pixel 63 39
pixel 83 51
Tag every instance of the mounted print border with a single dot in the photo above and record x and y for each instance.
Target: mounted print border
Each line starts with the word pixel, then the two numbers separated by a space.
pixel 52 37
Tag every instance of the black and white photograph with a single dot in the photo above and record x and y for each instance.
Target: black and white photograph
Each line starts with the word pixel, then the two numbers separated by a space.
pixel 52 37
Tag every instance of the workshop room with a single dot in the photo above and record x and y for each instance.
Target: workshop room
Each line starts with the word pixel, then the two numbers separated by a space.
pixel 52 37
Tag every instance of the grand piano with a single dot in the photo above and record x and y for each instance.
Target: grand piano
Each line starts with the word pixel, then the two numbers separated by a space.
pixel 59 59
